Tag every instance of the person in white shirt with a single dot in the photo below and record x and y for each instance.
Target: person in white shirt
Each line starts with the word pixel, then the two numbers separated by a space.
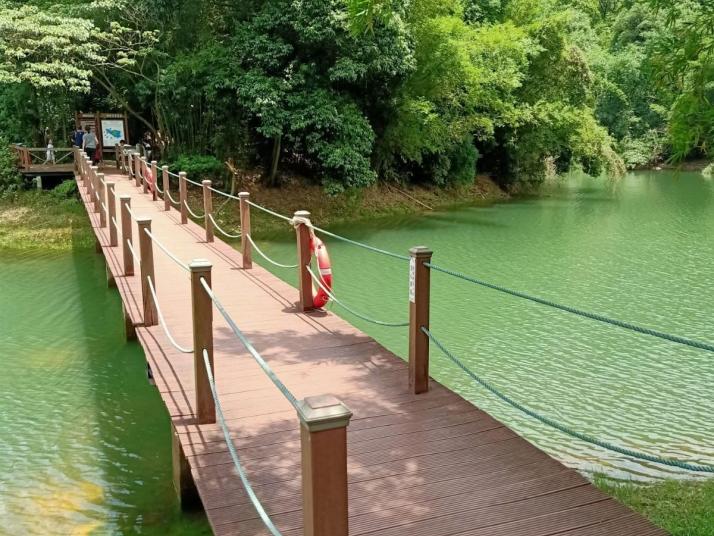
pixel 89 143
pixel 50 156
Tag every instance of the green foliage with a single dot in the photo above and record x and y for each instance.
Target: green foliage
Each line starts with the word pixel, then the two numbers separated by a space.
pixel 64 190
pixel 681 507
pixel 10 179
pixel 198 167
pixel 350 91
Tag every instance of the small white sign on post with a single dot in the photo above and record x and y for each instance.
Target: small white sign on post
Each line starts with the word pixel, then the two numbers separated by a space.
pixel 412 276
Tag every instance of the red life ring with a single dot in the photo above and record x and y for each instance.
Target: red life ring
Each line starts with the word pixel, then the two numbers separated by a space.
pixel 318 249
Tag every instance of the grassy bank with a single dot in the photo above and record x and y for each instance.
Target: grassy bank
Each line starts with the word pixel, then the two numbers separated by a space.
pixel 682 508
pixel 369 203
pixel 43 220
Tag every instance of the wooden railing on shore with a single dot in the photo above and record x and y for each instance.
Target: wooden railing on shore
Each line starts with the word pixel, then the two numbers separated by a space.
pixel 27 157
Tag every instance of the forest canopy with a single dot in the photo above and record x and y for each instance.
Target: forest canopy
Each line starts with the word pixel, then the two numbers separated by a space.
pixel 354 91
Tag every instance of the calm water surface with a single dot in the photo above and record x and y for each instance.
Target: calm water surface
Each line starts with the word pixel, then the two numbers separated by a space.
pixel 84 439
pixel 638 249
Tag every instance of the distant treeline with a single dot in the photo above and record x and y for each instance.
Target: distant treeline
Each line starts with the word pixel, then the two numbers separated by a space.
pixel 354 91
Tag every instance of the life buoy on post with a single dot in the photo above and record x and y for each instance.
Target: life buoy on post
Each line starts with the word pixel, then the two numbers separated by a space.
pixel 319 250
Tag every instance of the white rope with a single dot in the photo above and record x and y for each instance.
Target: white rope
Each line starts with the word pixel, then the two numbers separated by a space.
pixel 163 322
pixel 215 224
pixel 133 253
pixel 191 211
pixel 193 182
pixel 166 250
pixel 171 198
pixel 250 239
pixel 114 221
pixel 131 212
pixel 289 220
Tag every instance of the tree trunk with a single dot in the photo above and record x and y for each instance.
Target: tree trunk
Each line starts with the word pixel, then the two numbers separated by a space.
pixel 273 177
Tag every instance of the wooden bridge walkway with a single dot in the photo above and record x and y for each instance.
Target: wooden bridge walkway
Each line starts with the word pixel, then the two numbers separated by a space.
pixel 427 464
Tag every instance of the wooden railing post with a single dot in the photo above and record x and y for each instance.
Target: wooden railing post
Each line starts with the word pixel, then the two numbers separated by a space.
pixel 112 216
pixel 207 209
pixel 154 178
pixel 182 197
pixel 202 310
pixel 146 254
pixel 137 170
pixel 126 232
pixel 323 436
pixel 166 183
pixel 102 200
pixel 419 283
pixel 302 231
pixel 144 182
pixel 245 230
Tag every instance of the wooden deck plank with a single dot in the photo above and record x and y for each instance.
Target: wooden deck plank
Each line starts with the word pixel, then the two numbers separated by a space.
pixel 418 465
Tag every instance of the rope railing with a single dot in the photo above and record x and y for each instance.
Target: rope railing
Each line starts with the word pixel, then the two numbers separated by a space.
pixel 350 309
pixel 249 346
pixel 114 222
pixel 191 212
pixel 168 192
pixel 255 501
pixel 328 233
pixel 271 261
pixel 586 314
pixel 131 213
pixel 268 211
pixel 133 252
pixel 168 253
pixel 162 321
pixel 175 175
pixel 220 229
pixel 672 462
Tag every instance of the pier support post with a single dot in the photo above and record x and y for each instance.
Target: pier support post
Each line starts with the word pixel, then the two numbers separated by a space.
pixel 129 329
pixel 126 231
pixel 112 215
pixel 183 479
pixel 182 197
pixel 202 311
pixel 137 170
pixel 245 248
pixel 207 209
pixel 165 184
pixel 155 180
pixel 323 436
pixel 419 283
pixel 302 230
pixel 102 200
pixel 146 254
pixel 144 182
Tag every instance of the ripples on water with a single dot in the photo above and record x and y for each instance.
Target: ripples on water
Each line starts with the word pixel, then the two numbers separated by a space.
pixel 639 249
pixel 84 440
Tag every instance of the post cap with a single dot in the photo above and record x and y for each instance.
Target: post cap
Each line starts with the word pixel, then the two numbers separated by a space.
pixel 244 195
pixel 206 182
pixel 154 162
pixel 420 251
pixel 125 197
pixel 302 214
pixel 182 173
pixel 324 412
pixel 165 167
pixel 143 220
pixel 200 265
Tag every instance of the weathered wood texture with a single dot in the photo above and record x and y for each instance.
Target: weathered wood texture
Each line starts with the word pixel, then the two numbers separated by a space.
pixel 418 465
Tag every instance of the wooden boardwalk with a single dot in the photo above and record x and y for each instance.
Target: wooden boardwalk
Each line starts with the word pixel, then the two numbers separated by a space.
pixel 419 465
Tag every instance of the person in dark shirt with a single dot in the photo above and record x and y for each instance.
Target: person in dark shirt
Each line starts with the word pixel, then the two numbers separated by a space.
pixel 78 137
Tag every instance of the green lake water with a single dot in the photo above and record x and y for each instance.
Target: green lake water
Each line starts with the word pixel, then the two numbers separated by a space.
pixel 84 439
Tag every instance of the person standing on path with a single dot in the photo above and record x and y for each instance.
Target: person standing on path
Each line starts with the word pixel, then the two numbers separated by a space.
pixel 89 143
pixel 77 137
